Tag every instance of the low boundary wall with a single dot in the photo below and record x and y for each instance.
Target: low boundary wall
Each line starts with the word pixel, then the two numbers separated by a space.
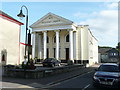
pixel 36 74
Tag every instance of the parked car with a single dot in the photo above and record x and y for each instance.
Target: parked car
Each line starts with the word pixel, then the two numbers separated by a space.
pixel 107 75
pixel 51 62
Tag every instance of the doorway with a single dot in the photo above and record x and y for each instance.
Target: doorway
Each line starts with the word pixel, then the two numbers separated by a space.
pixel 47 52
pixel 4 56
pixel 67 53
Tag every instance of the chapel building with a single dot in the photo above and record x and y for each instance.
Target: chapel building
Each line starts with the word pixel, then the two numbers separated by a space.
pixel 60 38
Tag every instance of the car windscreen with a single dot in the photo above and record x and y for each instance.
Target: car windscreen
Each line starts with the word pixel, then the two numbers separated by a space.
pixel 49 60
pixel 109 68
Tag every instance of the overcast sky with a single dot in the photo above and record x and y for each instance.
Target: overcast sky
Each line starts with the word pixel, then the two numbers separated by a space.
pixel 102 17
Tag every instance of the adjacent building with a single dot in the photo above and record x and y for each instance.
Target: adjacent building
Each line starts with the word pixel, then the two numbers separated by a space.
pixel 60 38
pixel 108 55
pixel 113 55
pixel 103 55
pixel 9 39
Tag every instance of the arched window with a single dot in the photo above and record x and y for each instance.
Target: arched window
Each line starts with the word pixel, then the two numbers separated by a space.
pixel 47 39
pixel 3 57
pixel 55 39
pixel 67 38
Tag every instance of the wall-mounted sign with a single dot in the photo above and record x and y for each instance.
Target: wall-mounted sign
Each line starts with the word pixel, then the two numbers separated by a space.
pixel 53 21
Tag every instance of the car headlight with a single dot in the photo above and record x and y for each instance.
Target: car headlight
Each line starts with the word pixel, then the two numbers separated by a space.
pixel 116 79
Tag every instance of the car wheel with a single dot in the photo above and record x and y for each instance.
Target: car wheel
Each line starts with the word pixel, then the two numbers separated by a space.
pixel 59 64
pixel 95 85
pixel 53 65
pixel 43 65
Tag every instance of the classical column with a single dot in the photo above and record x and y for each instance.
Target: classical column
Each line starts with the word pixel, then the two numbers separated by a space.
pixel 71 44
pixel 45 44
pixel 74 45
pixel 57 44
pixel 33 44
pixel 39 46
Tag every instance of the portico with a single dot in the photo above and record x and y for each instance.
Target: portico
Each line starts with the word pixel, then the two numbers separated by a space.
pixel 46 42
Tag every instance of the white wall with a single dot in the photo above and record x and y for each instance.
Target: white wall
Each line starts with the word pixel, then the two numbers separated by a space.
pixel 89 45
pixel 84 44
pixel 9 40
pixel 22 53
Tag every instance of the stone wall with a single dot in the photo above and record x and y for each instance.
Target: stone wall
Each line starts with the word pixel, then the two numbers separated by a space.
pixel 35 74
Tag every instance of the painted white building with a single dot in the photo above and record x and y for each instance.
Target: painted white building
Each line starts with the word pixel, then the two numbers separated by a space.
pixel 60 38
pixel 9 39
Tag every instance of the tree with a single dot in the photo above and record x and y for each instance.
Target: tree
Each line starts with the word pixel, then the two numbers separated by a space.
pixel 118 48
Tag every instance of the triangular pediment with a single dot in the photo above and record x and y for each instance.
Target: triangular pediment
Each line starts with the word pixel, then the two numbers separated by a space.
pixel 51 19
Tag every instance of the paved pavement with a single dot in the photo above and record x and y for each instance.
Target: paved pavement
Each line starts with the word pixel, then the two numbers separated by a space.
pixel 8 82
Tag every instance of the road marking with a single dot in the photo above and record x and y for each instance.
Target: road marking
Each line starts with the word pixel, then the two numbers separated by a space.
pixel 77 76
pixel 48 86
pixel 57 83
pixel 86 87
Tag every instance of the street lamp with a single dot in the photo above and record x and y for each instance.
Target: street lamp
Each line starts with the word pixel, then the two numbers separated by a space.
pixel 21 15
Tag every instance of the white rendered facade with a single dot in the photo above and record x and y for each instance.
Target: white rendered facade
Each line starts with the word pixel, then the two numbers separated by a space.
pixel 9 39
pixel 57 37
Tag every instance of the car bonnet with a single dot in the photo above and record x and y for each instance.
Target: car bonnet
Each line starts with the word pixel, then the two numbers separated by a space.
pixel 107 74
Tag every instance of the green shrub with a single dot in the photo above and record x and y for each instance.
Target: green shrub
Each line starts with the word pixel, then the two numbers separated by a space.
pixel 28 65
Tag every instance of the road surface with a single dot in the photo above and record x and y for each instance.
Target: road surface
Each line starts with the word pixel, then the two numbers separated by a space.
pixel 83 82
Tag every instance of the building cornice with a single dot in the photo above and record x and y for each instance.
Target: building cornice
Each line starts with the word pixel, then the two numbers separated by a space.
pixel 9 18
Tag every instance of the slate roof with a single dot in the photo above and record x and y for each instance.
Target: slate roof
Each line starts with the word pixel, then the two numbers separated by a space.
pixel 103 50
